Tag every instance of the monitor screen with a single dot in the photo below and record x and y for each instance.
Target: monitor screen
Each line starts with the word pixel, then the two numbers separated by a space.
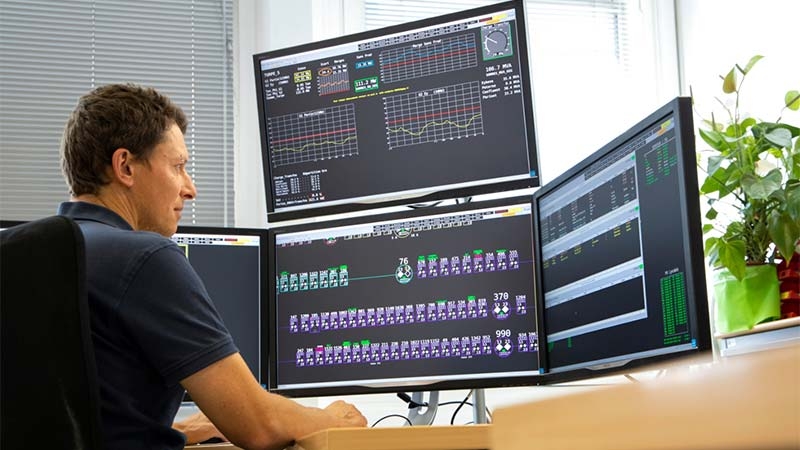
pixel 425 299
pixel 619 240
pixel 230 262
pixel 438 108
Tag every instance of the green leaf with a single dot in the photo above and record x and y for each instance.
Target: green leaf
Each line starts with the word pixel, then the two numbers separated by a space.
pixel 707 227
pixel 793 202
pixel 784 232
pixel 711 214
pixel 731 256
pixel 760 188
pixel 792 100
pixel 715 139
pixel 712 251
pixel 729 82
pixel 714 182
pixel 751 63
pixel 714 163
pixel 780 137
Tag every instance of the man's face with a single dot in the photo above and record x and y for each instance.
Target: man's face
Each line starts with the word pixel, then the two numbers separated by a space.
pixel 162 185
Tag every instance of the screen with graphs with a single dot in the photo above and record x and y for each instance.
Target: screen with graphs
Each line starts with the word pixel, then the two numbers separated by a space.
pixel 434 298
pixel 431 108
pixel 622 271
pixel 229 261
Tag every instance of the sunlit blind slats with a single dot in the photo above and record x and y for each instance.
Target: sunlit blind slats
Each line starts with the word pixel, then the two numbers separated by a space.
pixel 52 52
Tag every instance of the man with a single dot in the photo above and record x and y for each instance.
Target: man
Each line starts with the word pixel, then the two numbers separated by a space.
pixel 154 327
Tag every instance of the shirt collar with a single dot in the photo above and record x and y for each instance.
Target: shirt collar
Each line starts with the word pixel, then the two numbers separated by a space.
pixel 94 213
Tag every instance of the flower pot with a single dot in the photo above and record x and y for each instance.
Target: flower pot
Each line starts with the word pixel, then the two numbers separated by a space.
pixel 789 278
pixel 740 305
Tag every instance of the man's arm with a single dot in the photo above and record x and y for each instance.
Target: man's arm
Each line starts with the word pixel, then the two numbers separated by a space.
pixel 197 428
pixel 251 417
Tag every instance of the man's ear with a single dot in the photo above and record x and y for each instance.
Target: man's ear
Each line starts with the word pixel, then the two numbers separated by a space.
pixel 121 166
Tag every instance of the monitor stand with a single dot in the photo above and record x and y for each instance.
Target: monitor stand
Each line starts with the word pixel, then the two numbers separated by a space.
pixel 415 417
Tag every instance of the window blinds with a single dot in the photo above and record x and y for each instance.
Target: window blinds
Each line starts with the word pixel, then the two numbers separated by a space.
pixel 52 52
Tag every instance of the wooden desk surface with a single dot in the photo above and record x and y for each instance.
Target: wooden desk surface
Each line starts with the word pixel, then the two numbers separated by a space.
pixel 457 437
pixel 464 437
pixel 746 402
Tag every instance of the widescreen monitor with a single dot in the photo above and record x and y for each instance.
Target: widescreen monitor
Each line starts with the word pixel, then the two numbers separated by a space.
pixel 230 262
pixel 432 109
pixel 619 241
pixel 422 299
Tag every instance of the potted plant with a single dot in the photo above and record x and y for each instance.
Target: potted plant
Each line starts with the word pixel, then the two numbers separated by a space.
pixel 752 186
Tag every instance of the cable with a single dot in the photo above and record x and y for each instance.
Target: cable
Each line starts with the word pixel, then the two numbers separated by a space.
pixel 631 378
pixel 453 417
pixel 411 403
pixel 391 415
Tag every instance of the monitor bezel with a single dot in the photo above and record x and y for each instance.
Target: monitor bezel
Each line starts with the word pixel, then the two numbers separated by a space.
pixel 681 109
pixel 5 224
pixel 355 389
pixel 389 199
pixel 261 377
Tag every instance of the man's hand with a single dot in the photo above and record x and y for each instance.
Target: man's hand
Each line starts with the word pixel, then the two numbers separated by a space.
pixel 198 428
pixel 345 414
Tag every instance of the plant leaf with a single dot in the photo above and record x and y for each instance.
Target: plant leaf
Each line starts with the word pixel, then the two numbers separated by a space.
pixel 711 214
pixel 751 63
pixel 792 100
pixel 729 82
pixel 714 182
pixel 783 231
pixel 714 162
pixel 707 227
pixel 712 251
pixel 780 137
pixel 760 188
pixel 793 201
pixel 715 139
pixel 731 256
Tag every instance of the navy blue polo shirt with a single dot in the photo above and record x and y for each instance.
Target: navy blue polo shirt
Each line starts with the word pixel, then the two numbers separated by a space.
pixel 153 324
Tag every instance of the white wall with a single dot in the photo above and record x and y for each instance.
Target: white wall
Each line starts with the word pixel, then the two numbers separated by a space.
pixel 716 34
pixel 259 26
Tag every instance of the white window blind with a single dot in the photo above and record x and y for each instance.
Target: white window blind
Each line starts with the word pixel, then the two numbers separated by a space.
pixel 52 52
pixel 594 70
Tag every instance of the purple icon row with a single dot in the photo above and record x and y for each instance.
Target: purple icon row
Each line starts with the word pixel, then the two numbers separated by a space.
pixel 457 347
pixel 478 262
pixel 440 310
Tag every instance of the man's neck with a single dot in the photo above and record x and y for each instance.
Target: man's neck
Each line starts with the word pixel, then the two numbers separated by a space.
pixel 118 204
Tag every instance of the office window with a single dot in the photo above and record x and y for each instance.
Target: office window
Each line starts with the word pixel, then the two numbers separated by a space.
pixel 52 52
pixel 597 66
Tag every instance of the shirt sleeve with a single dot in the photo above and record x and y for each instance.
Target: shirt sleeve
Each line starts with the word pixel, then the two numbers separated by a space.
pixel 169 313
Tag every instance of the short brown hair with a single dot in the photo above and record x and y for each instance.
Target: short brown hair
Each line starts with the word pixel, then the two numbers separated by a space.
pixel 111 117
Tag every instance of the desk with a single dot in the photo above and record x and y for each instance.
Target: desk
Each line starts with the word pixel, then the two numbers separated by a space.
pixel 463 437
pixel 457 437
pixel 748 402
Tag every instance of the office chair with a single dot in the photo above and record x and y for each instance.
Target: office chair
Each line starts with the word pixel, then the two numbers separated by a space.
pixel 48 378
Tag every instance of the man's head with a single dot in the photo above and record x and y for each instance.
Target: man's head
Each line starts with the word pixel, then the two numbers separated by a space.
pixel 111 117
pixel 123 147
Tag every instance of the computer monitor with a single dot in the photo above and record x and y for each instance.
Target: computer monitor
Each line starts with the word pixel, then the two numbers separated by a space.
pixel 619 241
pixel 230 262
pixel 423 299
pixel 432 109
pixel 10 223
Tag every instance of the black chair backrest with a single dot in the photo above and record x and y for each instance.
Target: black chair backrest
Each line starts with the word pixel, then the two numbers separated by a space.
pixel 48 376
